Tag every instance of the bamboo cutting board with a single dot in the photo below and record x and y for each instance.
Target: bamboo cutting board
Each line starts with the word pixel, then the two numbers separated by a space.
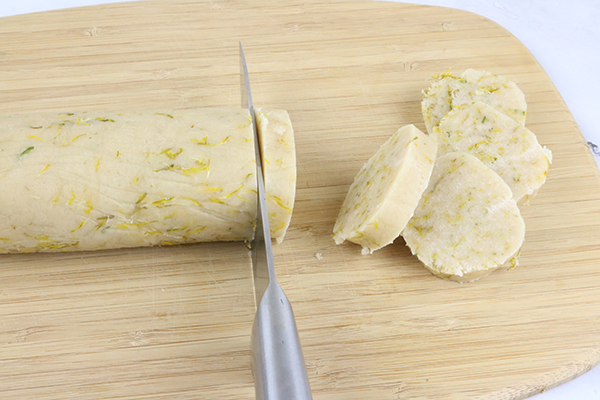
pixel 174 322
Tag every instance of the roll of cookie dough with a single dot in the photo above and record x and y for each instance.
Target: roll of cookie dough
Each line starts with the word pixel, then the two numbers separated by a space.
pixel 101 180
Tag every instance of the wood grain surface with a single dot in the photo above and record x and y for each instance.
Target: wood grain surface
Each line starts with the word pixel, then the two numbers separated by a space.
pixel 174 322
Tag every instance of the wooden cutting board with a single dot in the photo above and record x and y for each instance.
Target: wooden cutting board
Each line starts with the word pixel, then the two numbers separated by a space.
pixel 174 322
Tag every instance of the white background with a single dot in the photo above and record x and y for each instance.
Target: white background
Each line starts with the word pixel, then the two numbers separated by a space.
pixel 564 36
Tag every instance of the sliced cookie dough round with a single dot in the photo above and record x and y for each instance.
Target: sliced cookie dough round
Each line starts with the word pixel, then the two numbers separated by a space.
pixel 507 147
pixel 386 190
pixel 449 91
pixel 467 223
pixel 279 166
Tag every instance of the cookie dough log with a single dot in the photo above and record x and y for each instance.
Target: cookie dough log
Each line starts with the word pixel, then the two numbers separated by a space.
pixel 386 190
pixel 449 91
pixel 100 180
pixel 467 223
pixel 504 145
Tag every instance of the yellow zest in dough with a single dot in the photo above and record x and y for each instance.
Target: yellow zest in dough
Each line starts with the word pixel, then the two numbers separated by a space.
pixel 204 141
pixel 44 169
pixel 171 154
pixel 80 225
pixel 234 192
pixel 72 198
pixel 280 203
pixel 192 200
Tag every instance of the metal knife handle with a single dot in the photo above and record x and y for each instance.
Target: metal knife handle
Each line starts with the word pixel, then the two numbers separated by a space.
pixel 279 369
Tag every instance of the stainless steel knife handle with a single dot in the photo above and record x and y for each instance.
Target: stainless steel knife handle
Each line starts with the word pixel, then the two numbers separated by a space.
pixel 279 369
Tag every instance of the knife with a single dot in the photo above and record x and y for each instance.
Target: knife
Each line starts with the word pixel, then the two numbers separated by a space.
pixel 277 361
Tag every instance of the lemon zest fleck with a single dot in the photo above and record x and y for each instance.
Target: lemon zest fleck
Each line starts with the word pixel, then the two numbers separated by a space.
pixel 81 121
pixel 186 171
pixel 280 227
pixel 234 192
pixel 204 141
pixel 178 229
pixel 169 153
pixel 162 201
pixel 45 168
pixel 280 203
pixel 80 225
pixel 190 199
pixel 142 197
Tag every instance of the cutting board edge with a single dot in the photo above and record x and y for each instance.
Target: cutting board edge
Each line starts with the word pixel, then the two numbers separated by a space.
pixel 563 376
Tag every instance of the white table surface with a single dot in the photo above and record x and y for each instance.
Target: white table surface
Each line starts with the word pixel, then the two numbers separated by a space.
pixel 563 35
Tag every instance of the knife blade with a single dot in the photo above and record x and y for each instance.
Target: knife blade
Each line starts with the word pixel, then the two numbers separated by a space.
pixel 263 269
pixel 278 364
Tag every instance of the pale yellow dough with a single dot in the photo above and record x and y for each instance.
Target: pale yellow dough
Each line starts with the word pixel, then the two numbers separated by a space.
pixel 279 168
pixel 99 180
pixel 467 223
pixel 386 190
pixel 504 145
pixel 449 91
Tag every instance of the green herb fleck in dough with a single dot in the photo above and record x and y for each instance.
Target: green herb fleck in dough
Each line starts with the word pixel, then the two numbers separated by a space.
pixel 26 151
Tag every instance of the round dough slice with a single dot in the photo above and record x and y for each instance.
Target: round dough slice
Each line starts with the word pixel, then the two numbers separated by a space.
pixel 507 147
pixel 450 91
pixel 467 223
pixel 277 146
pixel 386 190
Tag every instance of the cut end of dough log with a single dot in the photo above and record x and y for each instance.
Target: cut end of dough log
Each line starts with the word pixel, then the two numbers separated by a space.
pixel 279 162
pixel 386 190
